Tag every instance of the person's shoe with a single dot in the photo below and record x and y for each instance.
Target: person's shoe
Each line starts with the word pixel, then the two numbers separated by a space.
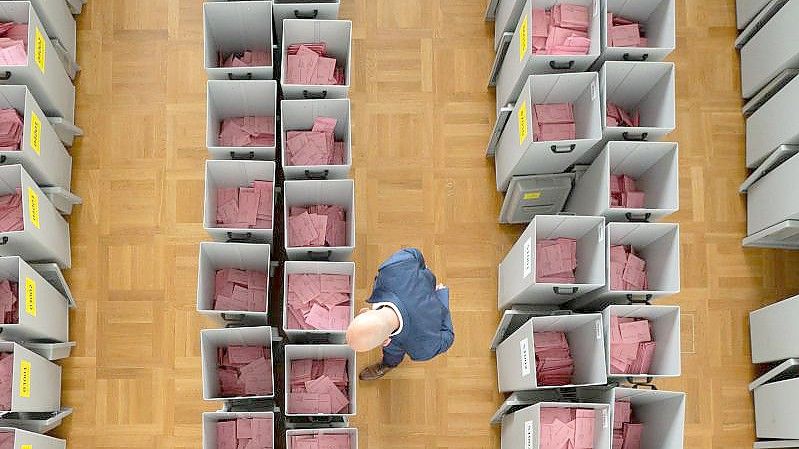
pixel 374 372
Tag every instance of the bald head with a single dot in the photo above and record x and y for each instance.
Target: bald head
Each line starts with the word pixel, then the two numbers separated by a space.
pixel 371 329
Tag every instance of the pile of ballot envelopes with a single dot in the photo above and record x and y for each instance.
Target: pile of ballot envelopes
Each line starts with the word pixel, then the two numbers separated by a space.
pixel 245 433
pixel 319 225
pixel 563 30
pixel 319 386
pixel 320 441
pixel 245 371
pixel 11 212
pixel 556 261
pixel 7 439
pixel 623 32
pixel 6 379
pixel 619 117
pixel 250 131
pixel 245 207
pixel 632 346
pixel 10 129
pixel 13 43
pixel 9 301
pixel 626 434
pixel 246 58
pixel 553 360
pixel 319 301
pixel 554 121
pixel 315 147
pixel 567 428
pixel 627 269
pixel 240 290
pixel 624 192
pixel 309 64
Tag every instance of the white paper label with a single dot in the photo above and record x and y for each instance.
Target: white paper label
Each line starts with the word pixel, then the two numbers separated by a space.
pixel 604 418
pixel 524 354
pixel 598 330
pixel 528 435
pixel 528 257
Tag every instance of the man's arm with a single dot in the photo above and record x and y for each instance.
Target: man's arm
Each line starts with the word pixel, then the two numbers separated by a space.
pixel 447 331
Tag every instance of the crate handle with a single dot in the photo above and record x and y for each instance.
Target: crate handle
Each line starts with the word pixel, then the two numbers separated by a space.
pixel 557 290
pixel 250 155
pixel 317 174
pixel 646 301
pixel 320 256
pixel 4 240
pixel 231 77
pixel 3 159
pixel 299 15
pixel 627 57
pixel 231 237
pixel 232 317
pixel 643 219
pixel 641 138
pixel 554 65
pixel 312 96
pixel 647 383
pixel 568 148
pixel 6 76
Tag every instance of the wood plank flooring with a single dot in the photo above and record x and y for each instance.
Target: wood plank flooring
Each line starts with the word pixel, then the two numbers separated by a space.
pixel 421 117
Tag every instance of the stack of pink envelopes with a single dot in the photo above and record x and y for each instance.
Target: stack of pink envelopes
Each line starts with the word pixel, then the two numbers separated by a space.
pixel 10 129
pixel 319 386
pixel 11 212
pixel 632 346
pixel 13 43
pixel 624 192
pixel 623 32
pixel 6 380
pixel 319 301
pixel 310 64
pixel 567 428
pixel 619 117
pixel 319 225
pixel 244 371
pixel 247 58
pixel 554 121
pixel 626 434
pixel 627 269
pixel 240 290
pixel 320 441
pixel 315 147
pixel 250 131
pixel 245 433
pixel 556 260
pixel 245 207
pixel 9 302
pixel 563 30
pixel 553 360
pixel 6 439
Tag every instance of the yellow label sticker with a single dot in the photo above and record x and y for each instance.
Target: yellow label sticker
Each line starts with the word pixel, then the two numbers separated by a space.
pixel 33 207
pixel 26 446
pixel 524 36
pixel 24 378
pixel 39 49
pixel 30 296
pixel 532 195
pixel 36 133
pixel 522 122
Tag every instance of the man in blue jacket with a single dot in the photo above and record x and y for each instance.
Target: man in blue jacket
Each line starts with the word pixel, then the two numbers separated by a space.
pixel 409 315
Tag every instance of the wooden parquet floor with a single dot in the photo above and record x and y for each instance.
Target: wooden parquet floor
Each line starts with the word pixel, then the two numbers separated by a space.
pixel 421 117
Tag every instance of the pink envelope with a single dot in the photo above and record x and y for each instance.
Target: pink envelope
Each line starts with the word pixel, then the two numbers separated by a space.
pixel 635 332
pixel 243 428
pixel 262 432
pixel 624 35
pixel 540 23
pixel 555 132
pixel 226 434
pixel 621 413
pixel 632 435
pixel 323 385
pixel 574 16
pixel 318 318
pixel 554 113
pixel 244 354
pixel 633 200
pixel 584 432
